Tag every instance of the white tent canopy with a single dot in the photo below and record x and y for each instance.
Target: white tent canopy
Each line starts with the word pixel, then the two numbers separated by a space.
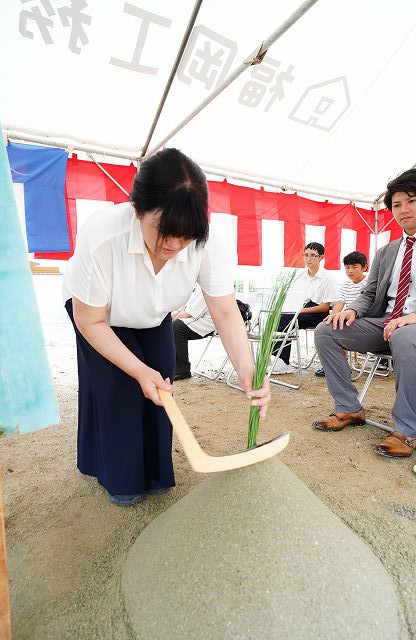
pixel 330 107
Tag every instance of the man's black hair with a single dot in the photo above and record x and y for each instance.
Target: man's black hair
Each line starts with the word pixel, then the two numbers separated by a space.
pixel 356 257
pixel 405 181
pixel 316 246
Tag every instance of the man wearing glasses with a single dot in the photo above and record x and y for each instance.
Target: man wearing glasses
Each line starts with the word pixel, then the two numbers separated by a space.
pixel 319 289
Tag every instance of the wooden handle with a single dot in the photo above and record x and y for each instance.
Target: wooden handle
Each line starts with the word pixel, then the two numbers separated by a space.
pixel 204 463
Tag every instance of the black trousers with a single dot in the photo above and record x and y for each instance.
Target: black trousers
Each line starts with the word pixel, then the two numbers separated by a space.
pixel 124 439
pixel 182 333
pixel 305 321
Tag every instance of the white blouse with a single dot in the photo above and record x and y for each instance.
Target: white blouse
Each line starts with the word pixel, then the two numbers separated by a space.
pixel 111 267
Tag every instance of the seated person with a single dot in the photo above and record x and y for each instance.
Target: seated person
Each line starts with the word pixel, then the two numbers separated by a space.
pixel 355 264
pixel 320 291
pixel 383 316
pixel 192 323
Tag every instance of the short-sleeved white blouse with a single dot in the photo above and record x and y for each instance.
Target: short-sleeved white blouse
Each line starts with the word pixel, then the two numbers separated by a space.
pixel 111 267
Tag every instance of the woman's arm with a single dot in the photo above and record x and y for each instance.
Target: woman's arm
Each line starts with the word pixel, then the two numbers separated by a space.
pixel 91 323
pixel 230 326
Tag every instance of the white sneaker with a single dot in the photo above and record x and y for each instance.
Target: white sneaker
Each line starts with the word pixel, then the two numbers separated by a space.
pixel 280 367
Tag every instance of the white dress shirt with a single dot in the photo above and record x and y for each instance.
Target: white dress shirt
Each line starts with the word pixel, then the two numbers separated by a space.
pixel 410 302
pixel 111 267
pixel 320 288
pixel 200 320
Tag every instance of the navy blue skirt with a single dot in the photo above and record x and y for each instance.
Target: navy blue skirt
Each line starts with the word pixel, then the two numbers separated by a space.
pixel 124 439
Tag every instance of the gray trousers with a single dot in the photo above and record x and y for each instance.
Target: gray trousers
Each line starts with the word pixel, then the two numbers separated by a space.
pixel 366 334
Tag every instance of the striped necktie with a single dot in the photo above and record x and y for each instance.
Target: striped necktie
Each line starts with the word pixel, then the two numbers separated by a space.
pixel 404 281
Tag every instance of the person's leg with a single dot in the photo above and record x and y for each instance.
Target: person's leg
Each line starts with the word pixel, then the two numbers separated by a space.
pixel 182 333
pixel 365 334
pixel 403 349
pixel 285 320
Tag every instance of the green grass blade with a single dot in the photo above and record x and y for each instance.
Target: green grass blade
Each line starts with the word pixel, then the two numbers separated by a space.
pixel 266 342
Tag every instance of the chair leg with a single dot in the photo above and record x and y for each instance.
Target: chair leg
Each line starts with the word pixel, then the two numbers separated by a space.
pixel 290 385
pixel 216 375
pixel 360 370
pixel 369 379
pixel 371 423
pixel 206 375
pixel 231 372
pixel 309 362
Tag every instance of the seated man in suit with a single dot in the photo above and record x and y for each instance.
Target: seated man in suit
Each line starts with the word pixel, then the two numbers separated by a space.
pixel 383 316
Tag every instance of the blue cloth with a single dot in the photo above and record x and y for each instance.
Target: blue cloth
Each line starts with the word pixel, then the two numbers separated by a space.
pixel 27 395
pixel 43 171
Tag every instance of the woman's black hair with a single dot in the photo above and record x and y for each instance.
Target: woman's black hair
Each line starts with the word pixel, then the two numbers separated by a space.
pixel 356 257
pixel 316 246
pixel 175 185
pixel 405 182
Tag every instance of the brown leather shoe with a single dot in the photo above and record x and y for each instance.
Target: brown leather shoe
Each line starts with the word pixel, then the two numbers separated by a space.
pixel 396 445
pixel 337 421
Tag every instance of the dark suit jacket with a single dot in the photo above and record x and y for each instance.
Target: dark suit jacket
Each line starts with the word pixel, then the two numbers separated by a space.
pixel 372 302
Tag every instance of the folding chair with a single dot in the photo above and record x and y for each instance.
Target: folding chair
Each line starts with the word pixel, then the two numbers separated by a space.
pixel 250 328
pixel 380 355
pixel 291 334
pixel 310 358
pixel 203 374
pixel 367 365
pixel 253 335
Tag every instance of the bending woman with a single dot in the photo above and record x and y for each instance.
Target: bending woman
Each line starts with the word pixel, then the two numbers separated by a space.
pixel 133 264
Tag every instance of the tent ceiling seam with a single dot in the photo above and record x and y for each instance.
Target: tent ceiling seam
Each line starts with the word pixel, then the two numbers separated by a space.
pixel 223 172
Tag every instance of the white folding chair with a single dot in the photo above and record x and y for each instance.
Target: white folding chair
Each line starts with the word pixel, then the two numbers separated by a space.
pixel 218 372
pixel 375 358
pixel 310 357
pixel 291 334
pixel 253 334
pixel 199 372
pixel 367 362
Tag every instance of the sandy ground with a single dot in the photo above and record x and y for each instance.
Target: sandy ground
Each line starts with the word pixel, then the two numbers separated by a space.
pixel 66 543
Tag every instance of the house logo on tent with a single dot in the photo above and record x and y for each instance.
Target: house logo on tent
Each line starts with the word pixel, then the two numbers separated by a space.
pixel 322 104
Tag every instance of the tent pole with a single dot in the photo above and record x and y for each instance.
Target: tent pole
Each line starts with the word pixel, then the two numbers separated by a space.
pixel 18 134
pixel 376 225
pixel 172 75
pixel 266 181
pixel 251 60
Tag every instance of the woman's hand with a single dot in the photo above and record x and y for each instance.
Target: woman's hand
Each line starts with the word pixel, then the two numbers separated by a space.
pixel 150 381
pixel 260 397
